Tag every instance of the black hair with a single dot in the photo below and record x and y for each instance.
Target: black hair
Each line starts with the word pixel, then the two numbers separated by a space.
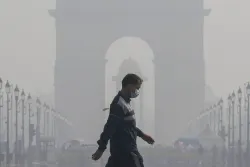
pixel 131 79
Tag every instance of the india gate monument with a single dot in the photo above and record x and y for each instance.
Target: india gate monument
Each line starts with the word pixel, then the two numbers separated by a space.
pixel 85 29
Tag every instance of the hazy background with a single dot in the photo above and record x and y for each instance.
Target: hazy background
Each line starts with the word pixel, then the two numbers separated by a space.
pixel 27 44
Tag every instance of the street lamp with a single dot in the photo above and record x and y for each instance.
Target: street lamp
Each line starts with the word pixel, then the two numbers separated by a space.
pixel 48 120
pixel 210 117
pixel 229 99
pixel 54 132
pixel 248 122
pixel 44 118
pixel 1 84
pixel 38 135
pixel 1 105
pixel 31 129
pixel 23 106
pixel 206 117
pixel 29 99
pixel 7 90
pixel 219 117
pixel 233 142
pixel 221 112
pixel 214 110
pixel 7 87
pixel 240 126
pixel 16 92
pixel 221 129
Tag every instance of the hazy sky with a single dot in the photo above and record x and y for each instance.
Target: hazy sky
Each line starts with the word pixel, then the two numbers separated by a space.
pixel 27 44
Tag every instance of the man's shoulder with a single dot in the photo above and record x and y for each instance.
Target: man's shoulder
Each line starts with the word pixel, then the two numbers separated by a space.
pixel 118 101
pixel 115 100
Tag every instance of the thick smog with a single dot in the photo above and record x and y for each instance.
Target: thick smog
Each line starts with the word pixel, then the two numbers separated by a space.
pixel 124 83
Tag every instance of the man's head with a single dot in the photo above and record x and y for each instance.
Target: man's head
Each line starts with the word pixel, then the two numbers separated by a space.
pixel 131 85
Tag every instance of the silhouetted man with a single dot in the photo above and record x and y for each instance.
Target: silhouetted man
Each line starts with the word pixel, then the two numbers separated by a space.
pixel 121 128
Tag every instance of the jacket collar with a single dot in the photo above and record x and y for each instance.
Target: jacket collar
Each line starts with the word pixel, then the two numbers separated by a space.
pixel 127 99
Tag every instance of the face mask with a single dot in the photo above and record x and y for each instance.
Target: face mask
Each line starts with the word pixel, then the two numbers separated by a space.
pixel 134 94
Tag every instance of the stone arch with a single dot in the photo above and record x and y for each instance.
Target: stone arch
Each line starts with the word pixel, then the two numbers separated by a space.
pixel 142 65
pixel 86 29
pixel 129 38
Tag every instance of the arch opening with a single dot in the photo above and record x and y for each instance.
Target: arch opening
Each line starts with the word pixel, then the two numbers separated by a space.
pixel 132 55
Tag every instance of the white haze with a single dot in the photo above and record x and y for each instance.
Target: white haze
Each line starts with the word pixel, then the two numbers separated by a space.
pixel 27 44
pixel 28 50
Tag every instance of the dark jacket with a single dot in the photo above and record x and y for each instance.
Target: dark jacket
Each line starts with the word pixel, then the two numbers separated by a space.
pixel 120 128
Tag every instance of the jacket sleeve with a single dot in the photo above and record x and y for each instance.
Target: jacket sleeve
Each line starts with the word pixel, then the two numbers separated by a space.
pixel 139 132
pixel 114 119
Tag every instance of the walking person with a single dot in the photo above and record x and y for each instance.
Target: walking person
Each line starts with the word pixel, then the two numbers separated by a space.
pixel 121 128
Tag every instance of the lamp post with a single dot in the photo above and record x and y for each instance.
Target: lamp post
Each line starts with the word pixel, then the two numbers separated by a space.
pixel 229 99
pixel 218 117
pixel 210 117
pixel 240 126
pixel 23 143
pixel 221 113
pixel 16 91
pixel 229 122
pixel 29 99
pixel 206 118
pixel 48 120
pixel 214 110
pixel 44 118
pixel 1 105
pixel 7 90
pixel 38 135
pixel 29 103
pixel 248 123
pixel 11 116
pixel 199 119
pixel 54 123
pixel 221 131
pixel 233 137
